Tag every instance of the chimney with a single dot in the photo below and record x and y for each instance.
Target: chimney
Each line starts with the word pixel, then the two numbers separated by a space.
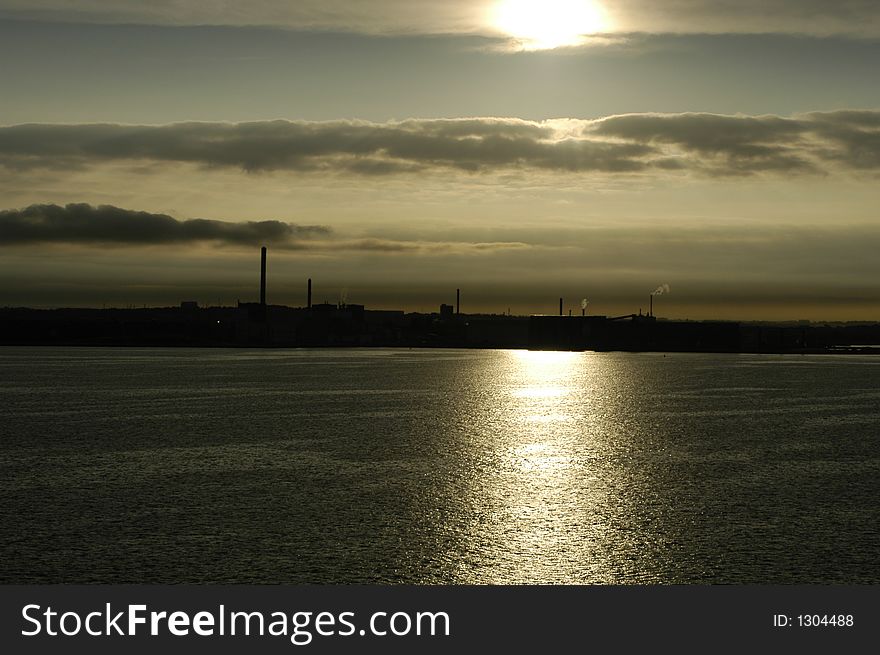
pixel 458 301
pixel 309 298
pixel 560 306
pixel 263 276
pixel 651 305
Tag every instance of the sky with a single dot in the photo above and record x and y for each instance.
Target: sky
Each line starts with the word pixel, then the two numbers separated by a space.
pixel 394 151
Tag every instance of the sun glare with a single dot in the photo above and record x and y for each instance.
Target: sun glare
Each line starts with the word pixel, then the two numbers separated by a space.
pixel 546 24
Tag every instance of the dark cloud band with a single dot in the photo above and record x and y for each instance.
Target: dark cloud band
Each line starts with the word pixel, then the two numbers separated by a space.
pixel 87 225
pixel 708 144
pixel 82 223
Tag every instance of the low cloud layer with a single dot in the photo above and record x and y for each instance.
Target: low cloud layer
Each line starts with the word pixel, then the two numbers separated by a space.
pixel 714 270
pixel 87 225
pixel 817 17
pixel 707 144
pixel 83 223
pixel 731 145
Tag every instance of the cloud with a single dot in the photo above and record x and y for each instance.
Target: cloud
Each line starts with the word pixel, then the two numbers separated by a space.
pixel 708 144
pixel 745 144
pixel 87 225
pixel 426 247
pixel 853 136
pixel 721 145
pixel 83 223
pixel 814 17
pixel 342 146
pixel 807 17
pixel 375 17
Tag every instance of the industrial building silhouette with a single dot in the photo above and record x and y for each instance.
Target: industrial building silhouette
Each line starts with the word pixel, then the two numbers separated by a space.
pixel 344 324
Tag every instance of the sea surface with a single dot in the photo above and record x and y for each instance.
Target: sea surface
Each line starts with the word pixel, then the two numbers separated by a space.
pixel 437 466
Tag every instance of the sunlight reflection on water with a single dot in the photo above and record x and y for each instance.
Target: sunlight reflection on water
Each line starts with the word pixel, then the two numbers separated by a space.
pixel 545 497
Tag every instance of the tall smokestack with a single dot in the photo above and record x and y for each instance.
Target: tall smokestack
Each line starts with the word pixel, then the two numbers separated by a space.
pixel 560 306
pixel 458 301
pixel 651 305
pixel 263 276
pixel 309 298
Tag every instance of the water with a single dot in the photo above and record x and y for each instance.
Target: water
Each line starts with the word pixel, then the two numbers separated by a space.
pixel 437 466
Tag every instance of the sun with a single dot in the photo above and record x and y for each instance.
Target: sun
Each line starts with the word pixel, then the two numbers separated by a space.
pixel 546 24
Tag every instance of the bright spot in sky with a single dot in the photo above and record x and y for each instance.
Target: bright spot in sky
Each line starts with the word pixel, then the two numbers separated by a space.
pixel 545 24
